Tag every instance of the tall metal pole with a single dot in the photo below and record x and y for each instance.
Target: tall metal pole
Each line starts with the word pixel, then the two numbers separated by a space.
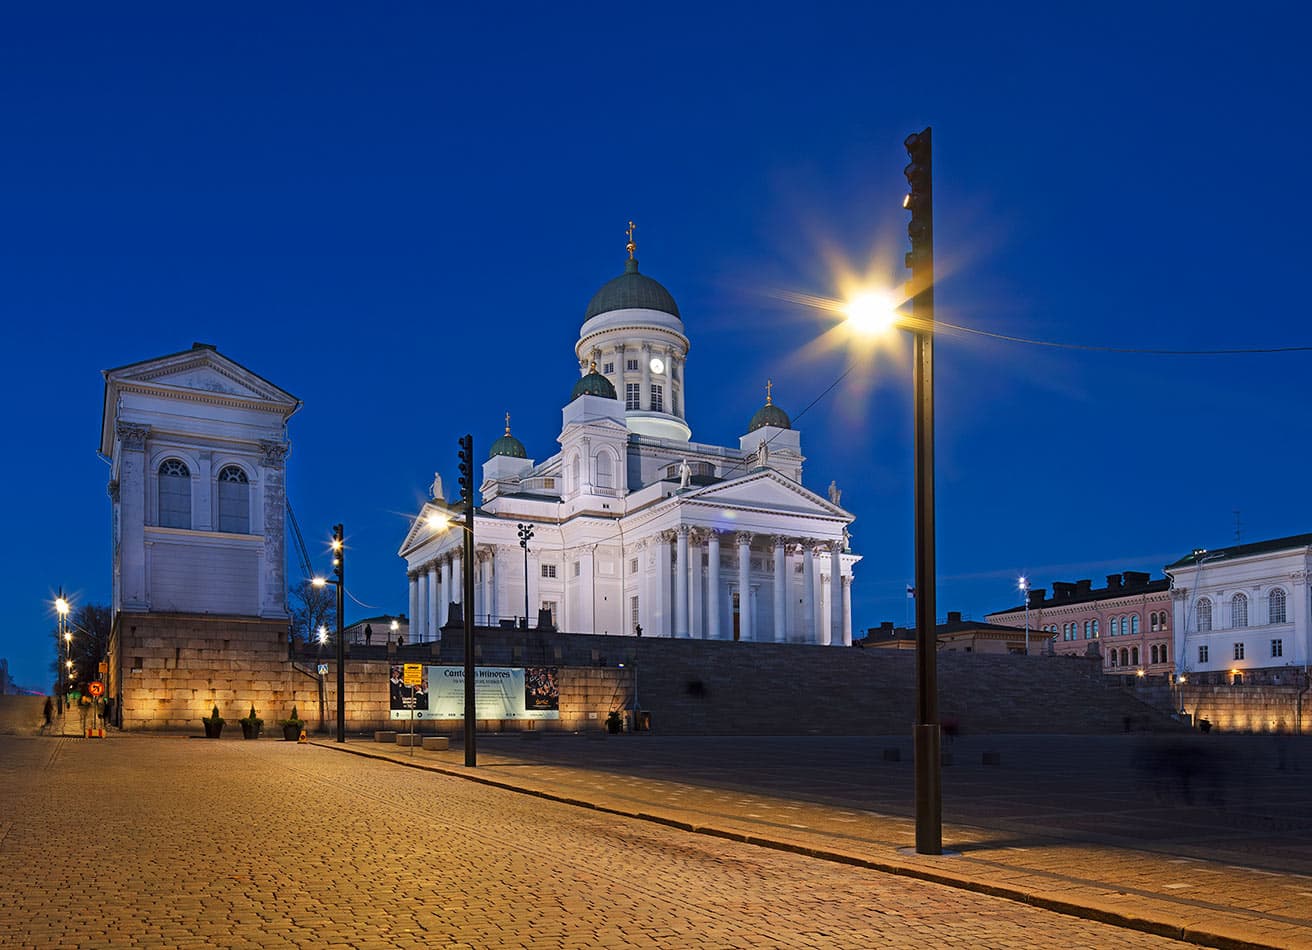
pixel 467 487
pixel 927 738
pixel 339 545
pixel 525 536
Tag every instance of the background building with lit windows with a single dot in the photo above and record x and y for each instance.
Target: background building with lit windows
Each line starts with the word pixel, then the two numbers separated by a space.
pixel 1128 622
pixel 1241 612
pixel 638 528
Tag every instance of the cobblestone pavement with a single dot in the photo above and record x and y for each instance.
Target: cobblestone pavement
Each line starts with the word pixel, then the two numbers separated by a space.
pixel 168 842
pixel 1186 836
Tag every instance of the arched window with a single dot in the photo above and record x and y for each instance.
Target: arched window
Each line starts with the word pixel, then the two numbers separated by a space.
pixel 1152 620
pixel 1205 614
pixel 174 494
pixel 575 483
pixel 1153 653
pixel 1239 610
pixel 1275 606
pixel 605 470
pixel 1134 656
pixel 1164 617
pixel 234 500
pixel 1164 653
pixel 1095 630
pixel 1134 625
pixel 1111 657
pixel 1125 657
pixel 1086 629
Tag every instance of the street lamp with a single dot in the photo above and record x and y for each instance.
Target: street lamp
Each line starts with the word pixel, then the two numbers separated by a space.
pixel 339 581
pixel 66 644
pixel 1024 587
pixel 467 496
pixel 525 536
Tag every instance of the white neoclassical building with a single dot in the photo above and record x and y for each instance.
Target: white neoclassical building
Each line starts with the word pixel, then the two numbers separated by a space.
pixel 1242 612
pixel 638 529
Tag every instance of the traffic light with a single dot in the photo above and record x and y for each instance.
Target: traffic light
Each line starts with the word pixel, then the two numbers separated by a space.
pixel 339 551
pixel 467 469
pixel 920 202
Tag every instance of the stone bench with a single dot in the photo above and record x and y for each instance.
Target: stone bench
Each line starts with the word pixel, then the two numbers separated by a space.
pixel 408 739
pixel 436 743
pixel 385 735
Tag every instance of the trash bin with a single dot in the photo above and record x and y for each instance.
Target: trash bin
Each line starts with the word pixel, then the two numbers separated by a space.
pixel 642 721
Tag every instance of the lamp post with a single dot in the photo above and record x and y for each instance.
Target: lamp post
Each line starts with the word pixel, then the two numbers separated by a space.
pixel 525 536
pixel 467 496
pixel 339 568
pixel 1024 587
pixel 65 645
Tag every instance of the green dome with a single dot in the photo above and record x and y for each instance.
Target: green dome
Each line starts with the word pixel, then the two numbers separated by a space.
pixel 593 384
pixel 769 415
pixel 631 291
pixel 508 445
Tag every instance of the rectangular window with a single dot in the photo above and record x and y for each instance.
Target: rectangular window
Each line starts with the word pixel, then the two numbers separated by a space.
pixel 633 611
pixel 631 395
pixel 548 570
pixel 1277 647
pixel 631 365
pixel 657 398
pixel 1239 651
pixel 548 483
pixel 608 368
pixel 633 565
pixel 1202 654
pixel 576 568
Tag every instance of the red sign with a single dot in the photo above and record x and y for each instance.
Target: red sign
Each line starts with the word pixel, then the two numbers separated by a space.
pixel 97 688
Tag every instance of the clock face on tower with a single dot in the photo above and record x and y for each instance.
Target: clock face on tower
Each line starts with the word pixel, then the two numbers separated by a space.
pixel 657 365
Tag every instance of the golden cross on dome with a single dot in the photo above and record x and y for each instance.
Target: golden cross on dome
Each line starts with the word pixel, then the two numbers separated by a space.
pixel 631 247
pixel 507 423
pixel 769 384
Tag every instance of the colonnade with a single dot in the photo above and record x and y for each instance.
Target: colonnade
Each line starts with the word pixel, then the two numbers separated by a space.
pixel 440 582
pixel 693 607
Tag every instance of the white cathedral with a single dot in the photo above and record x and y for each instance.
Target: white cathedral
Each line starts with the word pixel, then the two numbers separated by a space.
pixel 636 529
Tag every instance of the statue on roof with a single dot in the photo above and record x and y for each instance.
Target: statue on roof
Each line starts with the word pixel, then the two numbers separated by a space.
pixel 835 493
pixel 435 491
pixel 685 473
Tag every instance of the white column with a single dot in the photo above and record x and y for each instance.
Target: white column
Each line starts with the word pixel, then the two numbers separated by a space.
pixel 458 577
pixel 835 592
pixel 664 626
pixel 696 626
pixel 847 611
pixel 132 482
pixel 433 617
pixel 780 591
pixel 808 593
pixel 414 601
pixel 644 364
pixel 713 587
pixel 419 621
pixel 745 586
pixel 681 585
pixel 445 592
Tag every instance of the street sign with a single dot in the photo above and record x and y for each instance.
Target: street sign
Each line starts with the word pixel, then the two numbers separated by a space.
pixel 323 669
pixel 104 667
pixel 97 688
pixel 413 675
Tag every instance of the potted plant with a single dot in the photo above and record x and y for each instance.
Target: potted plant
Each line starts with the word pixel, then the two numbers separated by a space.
pixel 615 722
pixel 292 726
pixel 252 725
pixel 213 723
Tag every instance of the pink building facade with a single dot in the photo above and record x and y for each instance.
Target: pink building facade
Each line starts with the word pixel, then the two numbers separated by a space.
pixel 1128 623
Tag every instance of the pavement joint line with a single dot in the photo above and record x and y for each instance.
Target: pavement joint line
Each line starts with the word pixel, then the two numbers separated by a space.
pixel 1176 931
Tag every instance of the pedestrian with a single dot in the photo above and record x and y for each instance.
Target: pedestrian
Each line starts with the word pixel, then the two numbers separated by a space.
pixel 368 635
pixel 400 640
pixel 84 710
pixel 49 710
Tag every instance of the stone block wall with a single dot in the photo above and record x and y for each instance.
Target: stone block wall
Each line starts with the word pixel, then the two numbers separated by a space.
pixel 1250 708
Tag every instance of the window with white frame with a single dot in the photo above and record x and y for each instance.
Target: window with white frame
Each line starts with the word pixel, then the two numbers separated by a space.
pixel 1239 611
pixel 1205 614
pixel 234 500
pixel 633 611
pixel 1277 647
pixel 605 470
pixel 1239 651
pixel 1202 654
pixel 633 565
pixel 548 570
pixel 632 395
pixel 1275 606
pixel 631 365
pixel 657 398
pixel 576 569
pixel 174 494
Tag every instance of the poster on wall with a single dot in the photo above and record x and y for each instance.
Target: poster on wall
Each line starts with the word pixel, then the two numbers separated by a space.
pixel 499 693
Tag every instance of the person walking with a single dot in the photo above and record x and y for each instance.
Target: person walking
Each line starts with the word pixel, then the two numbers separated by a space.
pixel 49 711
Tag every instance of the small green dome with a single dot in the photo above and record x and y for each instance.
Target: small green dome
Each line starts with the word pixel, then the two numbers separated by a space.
pixel 593 384
pixel 631 291
pixel 508 445
pixel 769 416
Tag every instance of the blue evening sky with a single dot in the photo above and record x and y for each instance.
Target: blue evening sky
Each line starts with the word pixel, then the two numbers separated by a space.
pixel 398 213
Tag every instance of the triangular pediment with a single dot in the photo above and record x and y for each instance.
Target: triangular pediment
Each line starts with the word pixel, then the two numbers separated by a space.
pixel 766 490
pixel 201 370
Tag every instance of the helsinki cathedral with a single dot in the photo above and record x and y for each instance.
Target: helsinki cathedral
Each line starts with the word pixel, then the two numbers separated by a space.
pixel 637 529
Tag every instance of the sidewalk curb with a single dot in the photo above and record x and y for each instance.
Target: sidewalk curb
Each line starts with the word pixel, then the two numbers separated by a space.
pixel 1174 930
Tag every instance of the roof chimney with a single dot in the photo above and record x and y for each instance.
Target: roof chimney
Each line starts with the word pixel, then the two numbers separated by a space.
pixel 1136 579
pixel 1062 590
pixel 1113 581
pixel 1084 586
pixel 1036 595
pixel 954 616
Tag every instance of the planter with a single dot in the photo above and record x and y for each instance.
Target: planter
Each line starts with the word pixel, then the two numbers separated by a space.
pixel 212 729
pixel 291 732
pixel 250 730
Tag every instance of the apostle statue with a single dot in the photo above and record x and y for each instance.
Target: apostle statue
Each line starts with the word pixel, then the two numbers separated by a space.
pixel 436 489
pixel 763 454
pixel 685 473
pixel 835 493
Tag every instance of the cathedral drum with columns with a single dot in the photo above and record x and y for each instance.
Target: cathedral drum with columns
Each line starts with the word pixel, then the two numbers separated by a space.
pixel 636 529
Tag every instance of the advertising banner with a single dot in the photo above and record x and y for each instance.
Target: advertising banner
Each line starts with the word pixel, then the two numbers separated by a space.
pixel 499 693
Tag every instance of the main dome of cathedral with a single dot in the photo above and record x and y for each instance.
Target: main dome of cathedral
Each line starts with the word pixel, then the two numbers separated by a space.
pixel 631 291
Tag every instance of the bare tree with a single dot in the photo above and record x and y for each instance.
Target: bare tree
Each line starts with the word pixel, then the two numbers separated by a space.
pixel 312 607
pixel 88 644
